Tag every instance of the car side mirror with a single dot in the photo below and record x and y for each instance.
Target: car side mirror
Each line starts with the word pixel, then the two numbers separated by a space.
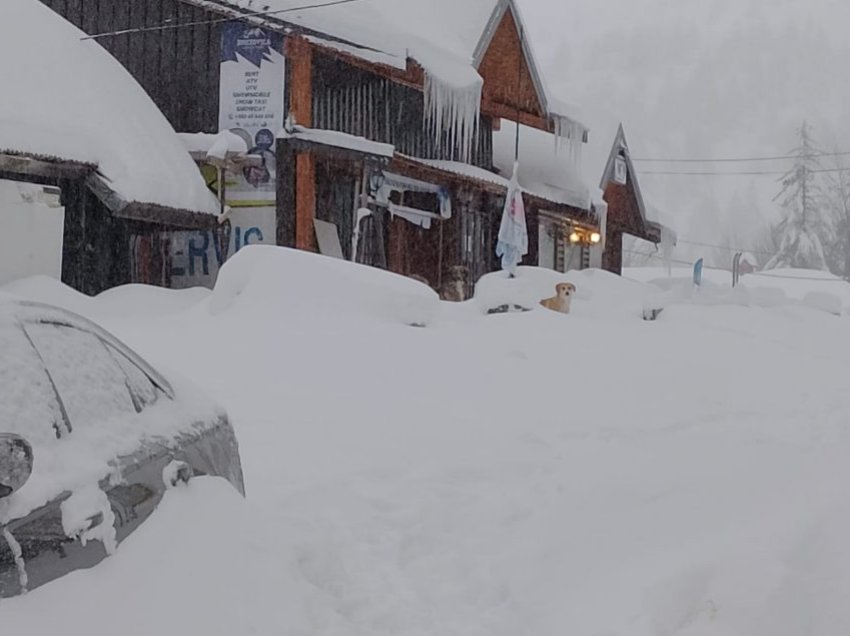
pixel 16 459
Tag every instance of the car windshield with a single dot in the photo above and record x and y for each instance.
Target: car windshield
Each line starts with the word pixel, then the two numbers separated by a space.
pixel 28 403
pixel 90 383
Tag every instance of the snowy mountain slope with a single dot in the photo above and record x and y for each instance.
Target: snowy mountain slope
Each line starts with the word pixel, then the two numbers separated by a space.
pixel 527 473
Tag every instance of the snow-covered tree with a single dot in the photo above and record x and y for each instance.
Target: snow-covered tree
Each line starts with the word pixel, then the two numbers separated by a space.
pixel 838 198
pixel 801 231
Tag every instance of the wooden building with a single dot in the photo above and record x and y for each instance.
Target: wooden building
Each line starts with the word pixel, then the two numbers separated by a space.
pixel 608 164
pixel 79 124
pixel 366 160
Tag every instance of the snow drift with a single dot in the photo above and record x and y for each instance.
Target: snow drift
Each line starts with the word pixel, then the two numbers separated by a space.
pixel 533 473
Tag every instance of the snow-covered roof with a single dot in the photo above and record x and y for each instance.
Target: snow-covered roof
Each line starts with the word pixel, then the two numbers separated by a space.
pixel 393 29
pixel 68 99
pixel 545 167
pixel 448 38
pixel 219 145
pixel 338 139
pixel 606 139
pixel 604 131
pixel 465 170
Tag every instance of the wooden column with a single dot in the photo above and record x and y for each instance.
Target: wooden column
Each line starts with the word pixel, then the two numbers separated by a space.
pixel 398 242
pixel 300 58
pixel 612 257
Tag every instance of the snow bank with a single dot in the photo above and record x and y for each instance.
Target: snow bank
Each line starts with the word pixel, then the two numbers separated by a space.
pixel 71 100
pixel 490 476
pixel 199 565
pixel 820 291
pixel 598 293
pixel 291 284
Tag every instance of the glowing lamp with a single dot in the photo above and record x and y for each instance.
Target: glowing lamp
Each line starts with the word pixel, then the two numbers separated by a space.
pixel 595 237
pixel 574 237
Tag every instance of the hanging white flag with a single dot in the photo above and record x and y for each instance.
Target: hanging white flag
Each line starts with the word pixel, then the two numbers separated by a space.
pixel 513 232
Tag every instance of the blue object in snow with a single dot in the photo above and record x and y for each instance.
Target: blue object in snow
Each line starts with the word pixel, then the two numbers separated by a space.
pixel 698 273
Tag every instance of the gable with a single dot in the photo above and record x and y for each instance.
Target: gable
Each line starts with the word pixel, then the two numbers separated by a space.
pixel 510 79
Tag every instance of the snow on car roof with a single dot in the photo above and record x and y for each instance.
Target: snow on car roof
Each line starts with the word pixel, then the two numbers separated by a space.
pixel 87 454
pixel 68 99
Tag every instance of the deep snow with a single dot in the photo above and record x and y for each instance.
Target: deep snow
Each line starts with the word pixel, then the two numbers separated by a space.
pixel 533 473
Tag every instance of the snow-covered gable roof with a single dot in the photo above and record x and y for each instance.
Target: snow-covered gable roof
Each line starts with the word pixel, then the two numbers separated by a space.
pixel 606 140
pixel 68 99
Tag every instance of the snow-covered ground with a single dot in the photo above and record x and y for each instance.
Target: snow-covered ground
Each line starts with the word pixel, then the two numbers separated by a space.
pixel 527 473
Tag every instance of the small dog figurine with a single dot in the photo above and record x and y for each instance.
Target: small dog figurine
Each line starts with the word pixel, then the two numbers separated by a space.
pixel 560 302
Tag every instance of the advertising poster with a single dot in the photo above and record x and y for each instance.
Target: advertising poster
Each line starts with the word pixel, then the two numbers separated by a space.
pixel 251 105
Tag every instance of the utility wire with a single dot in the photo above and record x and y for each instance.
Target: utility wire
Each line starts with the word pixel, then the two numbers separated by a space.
pixel 652 255
pixel 735 159
pixel 258 14
pixel 725 247
pixel 735 174
pixel 786 277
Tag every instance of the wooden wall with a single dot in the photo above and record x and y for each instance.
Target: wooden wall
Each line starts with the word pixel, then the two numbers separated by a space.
pixel 179 68
pixel 352 100
pixel 509 89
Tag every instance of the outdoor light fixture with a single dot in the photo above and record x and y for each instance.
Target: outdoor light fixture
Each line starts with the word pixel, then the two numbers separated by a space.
pixel 584 236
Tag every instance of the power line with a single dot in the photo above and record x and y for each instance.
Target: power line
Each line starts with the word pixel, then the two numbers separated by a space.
pixel 752 173
pixel 258 14
pixel 786 277
pixel 735 159
pixel 724 247
pixel 652 255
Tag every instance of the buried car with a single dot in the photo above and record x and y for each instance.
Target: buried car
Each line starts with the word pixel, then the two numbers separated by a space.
pixel 91 436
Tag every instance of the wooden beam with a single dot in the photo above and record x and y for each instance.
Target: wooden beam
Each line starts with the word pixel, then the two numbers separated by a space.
pixel 503 111
pixel 300 57
pixel 413 76
pixel 305 201
pixel 169 217
pixel 44 167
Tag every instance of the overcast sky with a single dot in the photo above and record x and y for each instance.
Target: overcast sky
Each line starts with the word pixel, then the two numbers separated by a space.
pixel 704 78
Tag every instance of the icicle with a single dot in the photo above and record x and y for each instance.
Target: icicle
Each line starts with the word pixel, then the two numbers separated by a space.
pixel 569 135
pixel 17 553
pixel 453 111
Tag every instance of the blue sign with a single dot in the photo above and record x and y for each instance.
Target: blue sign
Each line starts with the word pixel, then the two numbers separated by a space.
pixel 698 273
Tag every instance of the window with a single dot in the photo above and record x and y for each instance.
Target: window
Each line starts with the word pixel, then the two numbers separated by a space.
pixel 28 404
pixel 92 386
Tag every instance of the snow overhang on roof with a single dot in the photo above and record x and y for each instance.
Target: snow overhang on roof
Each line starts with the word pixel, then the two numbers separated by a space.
pixel 545 167
pixel 101 118
pixel 338 140
pixel 393 32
